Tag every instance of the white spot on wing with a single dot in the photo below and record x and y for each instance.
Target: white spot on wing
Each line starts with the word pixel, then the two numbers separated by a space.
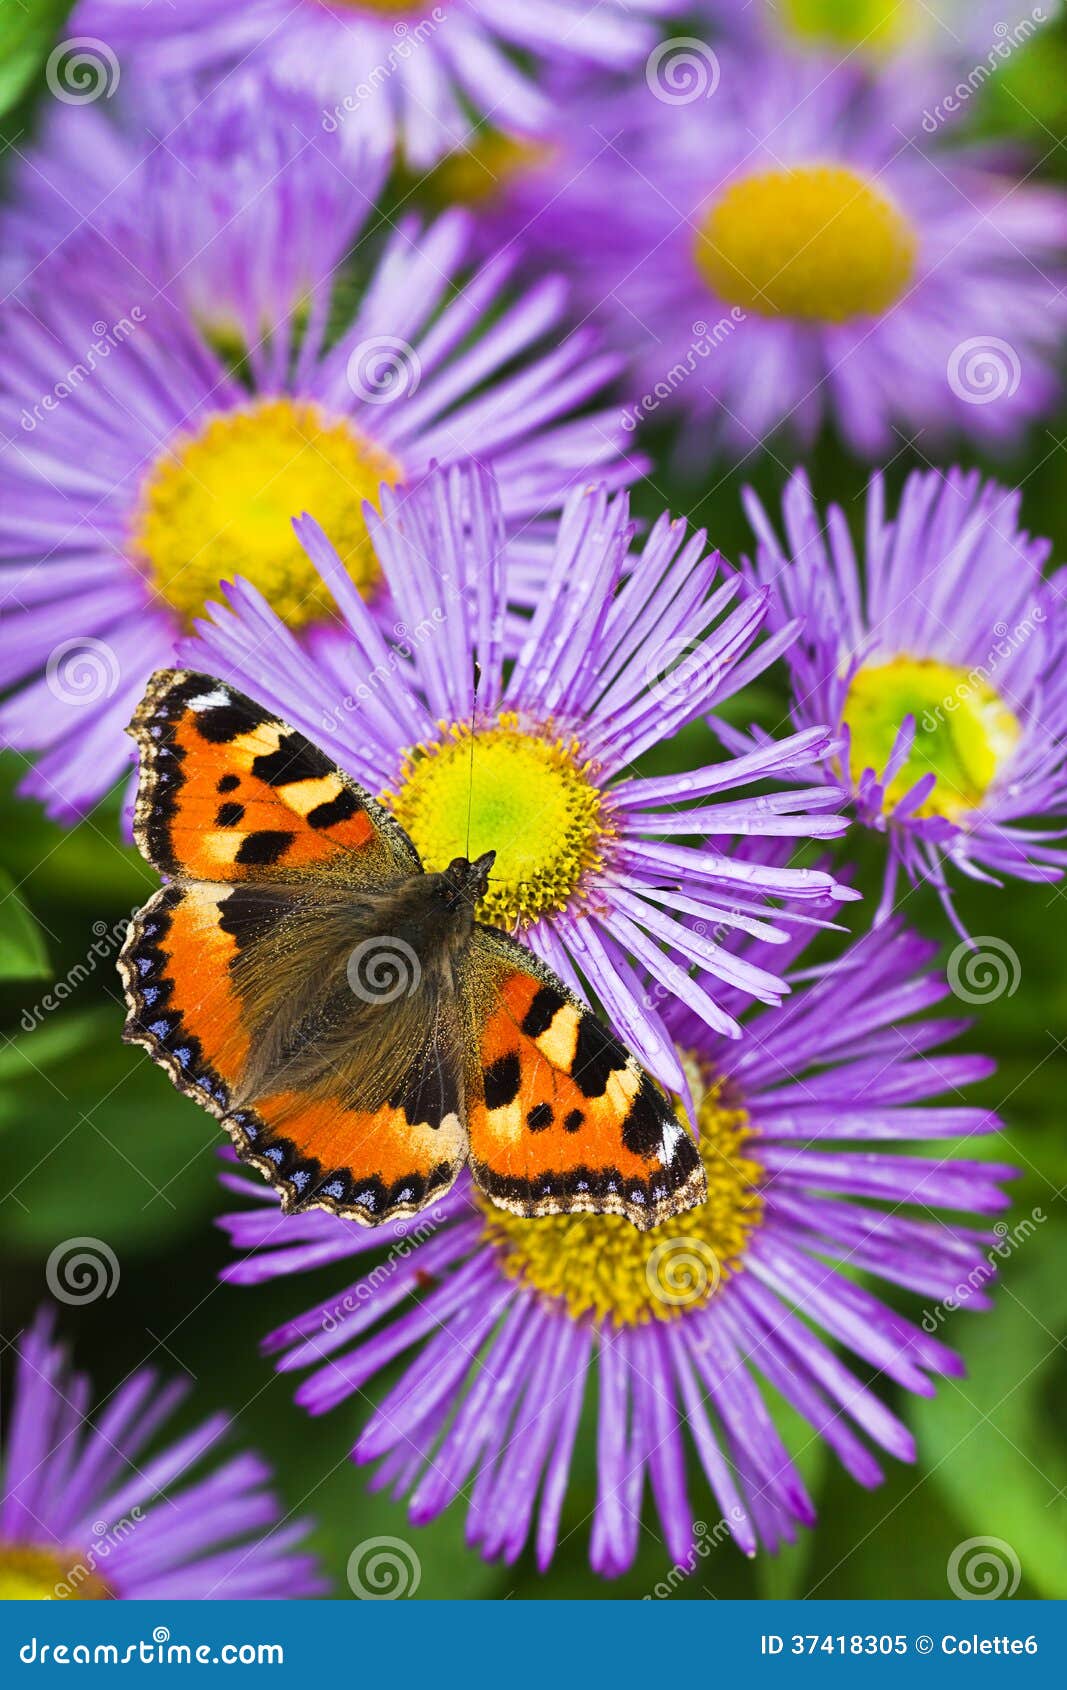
pixel 673 1133
pixel 209 700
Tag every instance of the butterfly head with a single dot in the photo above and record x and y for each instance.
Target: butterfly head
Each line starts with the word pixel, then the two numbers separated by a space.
pixel 464 883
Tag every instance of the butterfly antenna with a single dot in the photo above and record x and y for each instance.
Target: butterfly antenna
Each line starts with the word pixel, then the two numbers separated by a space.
pixel 470 777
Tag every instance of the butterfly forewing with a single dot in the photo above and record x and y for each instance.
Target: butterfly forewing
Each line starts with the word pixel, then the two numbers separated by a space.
pixel 229 792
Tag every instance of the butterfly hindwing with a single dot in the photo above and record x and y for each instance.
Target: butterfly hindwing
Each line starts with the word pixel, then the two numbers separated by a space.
pixel 561 1117
pixel 204 966
pixel 229 792
pixel 320 1150
pixel 183 1005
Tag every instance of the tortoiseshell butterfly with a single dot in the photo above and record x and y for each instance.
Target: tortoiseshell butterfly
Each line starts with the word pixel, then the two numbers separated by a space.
pixel 357 1032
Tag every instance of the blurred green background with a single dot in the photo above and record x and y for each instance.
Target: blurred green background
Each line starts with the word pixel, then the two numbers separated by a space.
pixel 93 1140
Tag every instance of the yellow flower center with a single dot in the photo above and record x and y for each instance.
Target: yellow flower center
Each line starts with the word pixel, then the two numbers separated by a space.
pixel 391 8
pixel 816 241
pixel 476 173
pixel 872 25
pixel 220 503
pixel 530 798
pixel 964 733
pixel 29 1573
pixel 601 1266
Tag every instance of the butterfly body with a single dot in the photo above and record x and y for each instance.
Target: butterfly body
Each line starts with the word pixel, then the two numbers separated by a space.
pixel 358 1033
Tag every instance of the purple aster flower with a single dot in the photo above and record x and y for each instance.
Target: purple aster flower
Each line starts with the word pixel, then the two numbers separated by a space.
pixel 419 75
pixel 77 158
pixel 772 252
pixel 168 419
pixel 802 1124
pixel 595 864
pixel 940 658
pixel 89 1512
pixel 235 204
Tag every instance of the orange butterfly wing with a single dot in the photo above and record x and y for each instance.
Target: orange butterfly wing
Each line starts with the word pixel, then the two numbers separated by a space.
pixel 366 1165
pixel 561 1117
pixel 229 792
pixel 204 961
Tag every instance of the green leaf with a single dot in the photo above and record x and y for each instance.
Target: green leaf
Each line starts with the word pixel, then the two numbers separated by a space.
pixel 51 1042
pixel 785 1576
pixel 988 1440
pixel 97 1139
pixel 23 953
pixel 28 29
pixel 87 867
